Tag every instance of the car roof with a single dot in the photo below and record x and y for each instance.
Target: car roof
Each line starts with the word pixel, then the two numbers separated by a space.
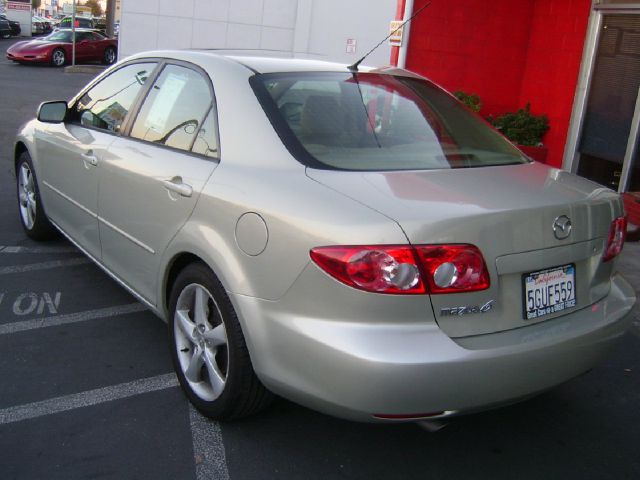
pixel 265 61
pixel 270 62
pixel 258 61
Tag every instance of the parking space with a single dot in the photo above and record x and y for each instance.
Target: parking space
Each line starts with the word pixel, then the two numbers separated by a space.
pixel 87 389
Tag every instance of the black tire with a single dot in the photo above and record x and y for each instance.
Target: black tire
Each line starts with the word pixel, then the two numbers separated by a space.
pixel 110 56
pixel 58 58
pixel 32 217
pixel 242 393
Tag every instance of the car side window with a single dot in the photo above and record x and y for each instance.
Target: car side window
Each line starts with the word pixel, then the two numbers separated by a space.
pixel 206 142
pixel 175 108
pixel 106 104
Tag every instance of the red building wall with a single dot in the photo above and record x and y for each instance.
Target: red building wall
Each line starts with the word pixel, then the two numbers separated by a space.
pixel 558 33
pixel 508 52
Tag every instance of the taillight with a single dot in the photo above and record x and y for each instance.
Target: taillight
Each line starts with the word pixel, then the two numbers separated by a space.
pixel 382 269
pixel 454 268
pixel 400 269
pixel 615 242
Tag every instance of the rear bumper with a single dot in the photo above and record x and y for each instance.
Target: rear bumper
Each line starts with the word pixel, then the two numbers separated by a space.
pixel 355 370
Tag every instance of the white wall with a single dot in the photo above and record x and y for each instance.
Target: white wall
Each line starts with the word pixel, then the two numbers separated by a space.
pixel 303 28
pixel 22 16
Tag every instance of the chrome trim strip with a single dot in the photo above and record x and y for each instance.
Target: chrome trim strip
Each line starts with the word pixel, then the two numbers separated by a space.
pixel 127 236
pixel 69 199
pixel 570 160
pixel 616 6
pixel 100 219
pixel 631 148
pixel 129 289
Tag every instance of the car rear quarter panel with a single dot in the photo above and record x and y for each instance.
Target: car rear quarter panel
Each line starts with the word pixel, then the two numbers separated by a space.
pixel 257 174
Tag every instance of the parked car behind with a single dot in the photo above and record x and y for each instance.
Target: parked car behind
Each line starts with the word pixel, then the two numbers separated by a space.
pixel 56 48
pixel 354 240
pixel 15 26
pixel 81 22
pixel 37 27
pixel 46 24
pixel 100 24
pixel 55 21
pixel 5 29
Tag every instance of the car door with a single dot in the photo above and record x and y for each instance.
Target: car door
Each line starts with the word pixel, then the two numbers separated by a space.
pixel 150 183
pixel 85 46
pixel 70 153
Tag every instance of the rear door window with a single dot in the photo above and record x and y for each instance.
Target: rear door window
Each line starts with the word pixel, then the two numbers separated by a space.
pixel 175 109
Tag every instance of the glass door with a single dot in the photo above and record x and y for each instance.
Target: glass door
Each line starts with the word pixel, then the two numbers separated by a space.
pixel 607 147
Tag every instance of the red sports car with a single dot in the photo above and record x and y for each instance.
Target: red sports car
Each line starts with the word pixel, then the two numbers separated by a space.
pixel 55 49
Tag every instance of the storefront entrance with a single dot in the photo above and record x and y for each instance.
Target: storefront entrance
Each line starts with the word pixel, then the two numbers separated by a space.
pixel 607 119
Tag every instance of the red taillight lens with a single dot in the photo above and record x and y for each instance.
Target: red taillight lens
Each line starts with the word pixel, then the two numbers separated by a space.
pixel 381 269
pixel 404 269
pixel 615 242
pixel 453 268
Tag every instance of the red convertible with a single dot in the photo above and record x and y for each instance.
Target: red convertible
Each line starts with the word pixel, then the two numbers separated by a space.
pixel 55 49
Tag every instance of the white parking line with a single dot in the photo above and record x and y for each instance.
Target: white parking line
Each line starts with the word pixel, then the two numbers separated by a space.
pixel 55 320
pixel 14 249
pixel 31 267
pixel 88 398
pixel 208 447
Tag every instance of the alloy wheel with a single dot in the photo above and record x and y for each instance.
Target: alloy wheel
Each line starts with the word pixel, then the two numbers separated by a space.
pixel 110 56
pixel 201 342
pixel 58 58
pixel 27 196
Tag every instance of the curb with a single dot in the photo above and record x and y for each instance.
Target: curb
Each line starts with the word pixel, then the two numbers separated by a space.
pixel 84 69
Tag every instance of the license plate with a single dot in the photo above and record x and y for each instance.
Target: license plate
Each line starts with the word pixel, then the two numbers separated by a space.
pixel 549 291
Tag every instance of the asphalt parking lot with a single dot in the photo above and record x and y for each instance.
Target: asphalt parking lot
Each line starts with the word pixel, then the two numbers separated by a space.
pixel 87 389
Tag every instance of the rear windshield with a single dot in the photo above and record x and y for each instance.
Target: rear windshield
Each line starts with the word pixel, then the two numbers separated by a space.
pixel 369 121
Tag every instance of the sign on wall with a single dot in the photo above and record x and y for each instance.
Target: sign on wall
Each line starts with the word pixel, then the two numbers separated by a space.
pixel 20 10
pixel 24 5
pixel 352 45
pixel 395 40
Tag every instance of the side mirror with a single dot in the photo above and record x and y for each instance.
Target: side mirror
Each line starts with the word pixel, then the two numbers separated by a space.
pixel 52 112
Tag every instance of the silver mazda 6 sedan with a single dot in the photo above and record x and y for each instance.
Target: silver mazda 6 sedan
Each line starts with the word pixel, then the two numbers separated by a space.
pixel 354 240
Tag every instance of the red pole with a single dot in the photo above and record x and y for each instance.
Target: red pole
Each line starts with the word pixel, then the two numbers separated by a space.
pixel 395 51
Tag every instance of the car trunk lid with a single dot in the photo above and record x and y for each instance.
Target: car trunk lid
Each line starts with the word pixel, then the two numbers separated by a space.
pixel 508 212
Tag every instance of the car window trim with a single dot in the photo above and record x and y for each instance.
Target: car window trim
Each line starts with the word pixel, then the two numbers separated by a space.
pixel 74 101
pixel 195 137
pixel 127 125
pixel 287 137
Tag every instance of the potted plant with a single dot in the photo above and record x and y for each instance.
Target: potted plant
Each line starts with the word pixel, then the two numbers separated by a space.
pixel 524 129
pixel 471 101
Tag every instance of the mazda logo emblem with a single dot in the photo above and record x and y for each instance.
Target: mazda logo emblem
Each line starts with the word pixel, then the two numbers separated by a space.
pixel 562 227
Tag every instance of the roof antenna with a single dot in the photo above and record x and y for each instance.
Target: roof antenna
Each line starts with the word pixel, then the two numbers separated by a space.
pixel 354 67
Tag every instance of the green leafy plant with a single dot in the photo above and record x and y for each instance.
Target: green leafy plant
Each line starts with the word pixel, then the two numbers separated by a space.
pixel 472 101
pixel 522 127
pixel 96 8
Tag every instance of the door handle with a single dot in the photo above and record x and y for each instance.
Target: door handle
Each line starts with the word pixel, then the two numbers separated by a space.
pixel 176 185
pixel 90 159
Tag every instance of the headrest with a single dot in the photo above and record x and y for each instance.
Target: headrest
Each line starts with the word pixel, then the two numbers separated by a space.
pixel 321 115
